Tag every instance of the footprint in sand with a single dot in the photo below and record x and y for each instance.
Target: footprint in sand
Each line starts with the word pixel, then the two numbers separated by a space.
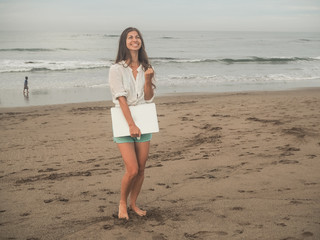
pixel 296 202
pixel 311 183
pixel 236 232
pixel 281 224
pixel 204 234
pixel 107 227
pixel 48 170
pixel 60 199
pixel 101 208
pixel 244 191
pixel 307 234
pixel 48 200
pixel 237 208
pixel 25 214
pixel 285 161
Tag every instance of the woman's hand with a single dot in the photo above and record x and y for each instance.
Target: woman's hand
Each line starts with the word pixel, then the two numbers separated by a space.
pixel 134 131
pixel 148 86
pixel 148 74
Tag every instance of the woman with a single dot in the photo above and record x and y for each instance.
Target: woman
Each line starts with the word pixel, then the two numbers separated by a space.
pixel 131 83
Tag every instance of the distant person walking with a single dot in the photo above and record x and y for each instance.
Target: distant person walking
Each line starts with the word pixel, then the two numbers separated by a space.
pixel 26 86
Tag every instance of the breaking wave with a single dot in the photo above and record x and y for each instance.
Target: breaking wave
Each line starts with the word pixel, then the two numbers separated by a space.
pixel 43 65
pixel 270 60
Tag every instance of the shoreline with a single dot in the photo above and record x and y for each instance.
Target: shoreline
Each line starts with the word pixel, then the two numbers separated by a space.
pixel 173 94
pixel 239 165
pixel 42 97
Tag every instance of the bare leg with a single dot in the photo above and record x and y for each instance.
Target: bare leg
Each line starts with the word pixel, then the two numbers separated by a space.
pixel 142 152
pixel 130 160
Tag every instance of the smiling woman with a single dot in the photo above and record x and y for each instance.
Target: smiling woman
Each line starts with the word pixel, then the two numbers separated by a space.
pixel 133 41
pixel 131 83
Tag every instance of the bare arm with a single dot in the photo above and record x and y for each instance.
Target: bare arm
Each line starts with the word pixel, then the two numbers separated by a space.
pixel 134 130
pixel 148 90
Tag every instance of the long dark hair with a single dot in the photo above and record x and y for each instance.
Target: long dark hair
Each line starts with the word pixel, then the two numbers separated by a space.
pixel 124 53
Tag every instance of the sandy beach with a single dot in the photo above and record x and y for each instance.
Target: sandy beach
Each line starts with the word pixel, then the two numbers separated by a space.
pixel 223 166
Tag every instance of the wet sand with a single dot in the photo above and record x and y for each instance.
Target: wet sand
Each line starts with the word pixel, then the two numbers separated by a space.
pixel 224 166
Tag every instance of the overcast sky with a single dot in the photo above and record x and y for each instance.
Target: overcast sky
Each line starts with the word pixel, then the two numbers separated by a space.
pixel 216 15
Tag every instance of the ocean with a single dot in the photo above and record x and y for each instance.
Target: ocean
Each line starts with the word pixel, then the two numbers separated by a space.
pixel 73 67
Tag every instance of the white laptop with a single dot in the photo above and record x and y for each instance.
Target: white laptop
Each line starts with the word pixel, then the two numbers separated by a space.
pixel 144 116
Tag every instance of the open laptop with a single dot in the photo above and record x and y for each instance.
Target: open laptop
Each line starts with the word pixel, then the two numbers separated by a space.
pixel 144 116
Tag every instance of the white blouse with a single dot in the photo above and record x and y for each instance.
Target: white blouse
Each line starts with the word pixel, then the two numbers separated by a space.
pixel 122 83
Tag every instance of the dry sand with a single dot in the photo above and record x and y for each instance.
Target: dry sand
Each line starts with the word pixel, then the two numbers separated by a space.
pixel 224 166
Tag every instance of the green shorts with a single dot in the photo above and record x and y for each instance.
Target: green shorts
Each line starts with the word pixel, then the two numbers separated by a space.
pixel 144 138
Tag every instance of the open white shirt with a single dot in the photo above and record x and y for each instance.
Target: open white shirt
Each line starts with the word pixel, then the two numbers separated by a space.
pixel 123 83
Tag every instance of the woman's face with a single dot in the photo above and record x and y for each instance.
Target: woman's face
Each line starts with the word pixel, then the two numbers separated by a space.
pixel 133 41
